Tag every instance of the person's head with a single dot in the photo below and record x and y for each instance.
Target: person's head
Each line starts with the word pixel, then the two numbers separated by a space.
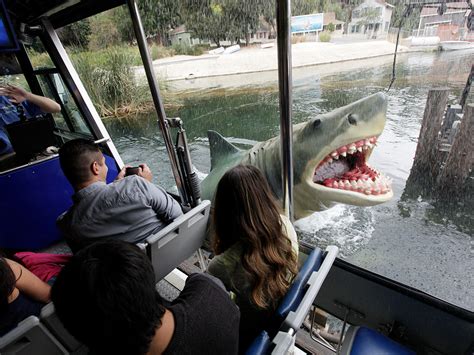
pixel 106 298
pixel 246 211
pixel 7 282
pixel 82 162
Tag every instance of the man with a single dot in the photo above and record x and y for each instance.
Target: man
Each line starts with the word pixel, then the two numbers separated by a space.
pixel 106 298
pixel 130 209
pixel 14 102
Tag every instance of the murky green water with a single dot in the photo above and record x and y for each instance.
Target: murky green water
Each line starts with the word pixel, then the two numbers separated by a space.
pixel 411 242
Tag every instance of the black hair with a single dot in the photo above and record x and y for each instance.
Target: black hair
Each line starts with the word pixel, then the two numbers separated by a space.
pixel 106 298
pixel 7 282
pixel 75 158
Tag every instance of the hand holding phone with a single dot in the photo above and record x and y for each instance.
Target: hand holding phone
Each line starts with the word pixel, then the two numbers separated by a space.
pixel 132 171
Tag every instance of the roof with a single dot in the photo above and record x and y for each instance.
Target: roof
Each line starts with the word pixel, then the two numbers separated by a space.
pixel 432 10
pixel 382 2
pixel 179 29
pixel 60 12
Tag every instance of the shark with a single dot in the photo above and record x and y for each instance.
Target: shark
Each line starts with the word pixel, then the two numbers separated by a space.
pixel 330 159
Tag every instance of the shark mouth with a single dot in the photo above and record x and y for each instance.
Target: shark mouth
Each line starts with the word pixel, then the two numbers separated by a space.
pixel 346 169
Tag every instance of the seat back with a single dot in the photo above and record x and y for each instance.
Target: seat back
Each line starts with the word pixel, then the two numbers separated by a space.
pixel 261 345
pixel 50 319
pixel 295 317
pixel 30 337
pixel 178 241
pixel 296 292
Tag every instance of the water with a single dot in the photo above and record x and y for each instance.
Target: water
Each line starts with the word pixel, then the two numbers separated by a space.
pixel 409 241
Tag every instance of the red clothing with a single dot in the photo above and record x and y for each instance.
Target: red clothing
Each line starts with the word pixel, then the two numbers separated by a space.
pixel 43 265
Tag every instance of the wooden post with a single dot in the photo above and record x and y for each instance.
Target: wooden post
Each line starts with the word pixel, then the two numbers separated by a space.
pixel 424 171
pixel 452 181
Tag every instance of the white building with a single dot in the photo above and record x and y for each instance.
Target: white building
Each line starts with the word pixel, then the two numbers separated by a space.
pixel 371 19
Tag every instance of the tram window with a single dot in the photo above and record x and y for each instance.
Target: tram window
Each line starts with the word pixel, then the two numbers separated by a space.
pixel 53 86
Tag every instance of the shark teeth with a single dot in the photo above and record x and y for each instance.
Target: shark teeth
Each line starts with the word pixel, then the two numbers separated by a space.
pixel 352 148
pixel 378 185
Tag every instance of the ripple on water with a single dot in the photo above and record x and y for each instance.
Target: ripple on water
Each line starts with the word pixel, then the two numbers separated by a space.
pixel 348 227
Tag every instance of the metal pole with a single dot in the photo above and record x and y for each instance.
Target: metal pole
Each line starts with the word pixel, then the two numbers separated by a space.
pixel 283 15
pixel 155 91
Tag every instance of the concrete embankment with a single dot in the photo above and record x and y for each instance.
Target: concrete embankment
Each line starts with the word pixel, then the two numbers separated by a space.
pixel 255 59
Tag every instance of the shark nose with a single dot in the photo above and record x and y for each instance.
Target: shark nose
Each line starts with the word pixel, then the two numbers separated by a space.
pixel 352 118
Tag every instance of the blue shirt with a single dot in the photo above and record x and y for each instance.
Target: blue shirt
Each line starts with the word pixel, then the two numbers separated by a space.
pixel 129 209
pixel 9 114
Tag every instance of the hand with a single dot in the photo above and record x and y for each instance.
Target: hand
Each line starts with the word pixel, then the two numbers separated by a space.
pixel 121 173
pixel 15 94
pixel 145 172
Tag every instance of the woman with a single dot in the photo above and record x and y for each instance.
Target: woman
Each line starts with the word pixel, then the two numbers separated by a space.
pixel 22 294
pixel 256 247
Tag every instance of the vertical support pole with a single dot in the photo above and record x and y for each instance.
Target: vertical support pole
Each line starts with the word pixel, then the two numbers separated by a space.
pixel 155 92
pixel 452 179
pixel 425 169
pixel 283 14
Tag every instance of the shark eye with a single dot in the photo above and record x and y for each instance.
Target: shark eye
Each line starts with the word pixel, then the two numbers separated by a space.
pixel 316 123
pixel 352 118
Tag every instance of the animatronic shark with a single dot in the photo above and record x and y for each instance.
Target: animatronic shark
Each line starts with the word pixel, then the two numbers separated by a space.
pixel 330 154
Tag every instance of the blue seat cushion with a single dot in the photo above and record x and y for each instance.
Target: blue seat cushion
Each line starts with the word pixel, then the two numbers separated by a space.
pixel 296 292
pixel 261 345
pixel 368 341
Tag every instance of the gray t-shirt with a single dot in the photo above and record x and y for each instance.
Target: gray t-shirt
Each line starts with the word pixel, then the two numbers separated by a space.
pixel 129 209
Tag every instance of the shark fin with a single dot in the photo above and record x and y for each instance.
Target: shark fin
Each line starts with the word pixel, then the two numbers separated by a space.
pixel 220 148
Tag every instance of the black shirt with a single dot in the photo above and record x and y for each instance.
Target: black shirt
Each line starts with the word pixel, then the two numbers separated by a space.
pixel 16 311
pixel 206 319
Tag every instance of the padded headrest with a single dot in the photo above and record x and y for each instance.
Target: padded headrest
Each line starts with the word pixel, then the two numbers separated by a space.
pixel 369 341
pixel 296 292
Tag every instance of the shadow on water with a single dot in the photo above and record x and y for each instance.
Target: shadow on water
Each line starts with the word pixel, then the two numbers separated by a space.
pixel 416 242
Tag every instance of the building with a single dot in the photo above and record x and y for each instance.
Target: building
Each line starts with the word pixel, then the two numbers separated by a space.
pixel 330 17
pixel 180 35
pixel 371 19
pixel 451 25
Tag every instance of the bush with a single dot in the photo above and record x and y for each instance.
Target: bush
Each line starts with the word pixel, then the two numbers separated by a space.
pixel 297 39
pixel 186 49
pixel 331 27
pixel 324 37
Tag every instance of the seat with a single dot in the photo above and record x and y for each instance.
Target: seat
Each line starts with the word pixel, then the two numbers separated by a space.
pixel 30 337
pixel 362 340
pixel 50 319
pixel 296 304
pixel 178 241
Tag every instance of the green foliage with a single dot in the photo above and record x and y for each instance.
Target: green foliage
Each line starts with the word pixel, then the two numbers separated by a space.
pixel 331 27
pixel 76 34
pixel 104 32
pixel 219 20
pixel 410 20
pixel 324 37
pixel 186 49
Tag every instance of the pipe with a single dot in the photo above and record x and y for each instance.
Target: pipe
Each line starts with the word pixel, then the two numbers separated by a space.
pixel 283 15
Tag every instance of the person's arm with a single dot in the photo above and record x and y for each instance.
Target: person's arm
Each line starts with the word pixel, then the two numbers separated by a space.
pixel 29 284
pixel 18 95
pixel 165 206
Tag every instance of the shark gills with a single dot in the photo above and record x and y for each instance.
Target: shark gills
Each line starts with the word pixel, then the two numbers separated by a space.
pixel 330 153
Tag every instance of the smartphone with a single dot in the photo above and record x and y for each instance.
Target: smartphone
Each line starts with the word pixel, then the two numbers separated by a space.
pixel 132 171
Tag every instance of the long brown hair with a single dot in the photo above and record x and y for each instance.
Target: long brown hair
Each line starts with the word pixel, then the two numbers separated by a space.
pixel 246 211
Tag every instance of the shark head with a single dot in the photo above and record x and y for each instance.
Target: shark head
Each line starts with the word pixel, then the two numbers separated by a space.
pixel 330 154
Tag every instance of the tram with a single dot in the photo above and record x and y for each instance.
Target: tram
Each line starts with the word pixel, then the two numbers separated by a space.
pixel 378 315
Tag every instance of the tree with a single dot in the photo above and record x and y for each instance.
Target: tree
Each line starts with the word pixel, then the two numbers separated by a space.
pixel 76 34
pixel 370 16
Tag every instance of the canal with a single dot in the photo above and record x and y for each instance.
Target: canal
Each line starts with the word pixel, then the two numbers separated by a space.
pixel 410 241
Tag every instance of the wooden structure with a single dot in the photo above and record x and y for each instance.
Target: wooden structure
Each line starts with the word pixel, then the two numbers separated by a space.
pixel 425 169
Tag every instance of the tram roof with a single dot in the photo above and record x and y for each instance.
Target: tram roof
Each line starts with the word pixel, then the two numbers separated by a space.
pixel 60 12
